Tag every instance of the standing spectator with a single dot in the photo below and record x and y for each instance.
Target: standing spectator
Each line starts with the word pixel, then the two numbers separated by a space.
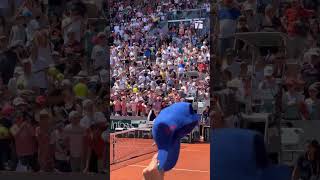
pixel 18 32
pixel 268 89
pixel 99 52
pixel 3 26
pixel 24 137
pixel 270 22
pixel 313 102
pixel 308 165
pixel 90 115
pixel 228 13
pixel 5 139
pixel 295 17
pixel 88 43
pixel 292 101
pixel 75 138
pixel 45 148
pixel 95 147
pixel 61 154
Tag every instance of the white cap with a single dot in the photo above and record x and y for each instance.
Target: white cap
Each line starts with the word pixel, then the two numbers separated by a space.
pixel 268 71
pixel 247 7
pixel 87 103
pixel 18 70
pixel 44 112
pixel 235 83
pixel 66 82
pixel 19 101
pixel 94 79
pixel 74 114
pixel 103 76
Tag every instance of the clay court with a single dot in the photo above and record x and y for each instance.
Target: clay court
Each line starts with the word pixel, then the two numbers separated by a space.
pixel 193 163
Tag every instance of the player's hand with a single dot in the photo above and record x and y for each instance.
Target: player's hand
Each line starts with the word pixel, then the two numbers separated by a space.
pixel 151 172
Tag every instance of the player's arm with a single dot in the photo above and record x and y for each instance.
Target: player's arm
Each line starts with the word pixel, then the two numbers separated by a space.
pixel 295 173
pixel 296 170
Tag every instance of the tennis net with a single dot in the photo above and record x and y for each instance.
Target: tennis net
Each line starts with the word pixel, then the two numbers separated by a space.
pixel 130 144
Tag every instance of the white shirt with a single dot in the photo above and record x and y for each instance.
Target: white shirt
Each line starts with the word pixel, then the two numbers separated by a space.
pixel 97 118
pixel 99 55
pixel 75 135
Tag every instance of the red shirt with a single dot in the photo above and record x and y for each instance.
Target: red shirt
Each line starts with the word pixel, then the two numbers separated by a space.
pixel 295 14
pixel 95 141
pixel 25 140
pixel 117 106
pixel 124 107
pixel 139 107
pixel 45 152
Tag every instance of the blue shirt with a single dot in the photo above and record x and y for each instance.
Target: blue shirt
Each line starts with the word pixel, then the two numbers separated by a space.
pixel 228 21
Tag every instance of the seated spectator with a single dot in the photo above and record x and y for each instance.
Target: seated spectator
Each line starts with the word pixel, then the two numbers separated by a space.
pixel 313 102
pixel 293 102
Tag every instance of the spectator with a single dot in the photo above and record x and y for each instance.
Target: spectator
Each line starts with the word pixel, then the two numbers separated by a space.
pixel 313 102
pixel 75 138
pixel 45 149
pixel 292 101
pixel 18 31
pixel 295 17
pixel 95 146
pixel 43 73
pixel 58 137
pixel 228 13
pixel 268 89
pixel 99 52
pixel 307 165
pixel 24 137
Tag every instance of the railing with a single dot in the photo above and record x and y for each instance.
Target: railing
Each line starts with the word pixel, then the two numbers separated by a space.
pixel 188 14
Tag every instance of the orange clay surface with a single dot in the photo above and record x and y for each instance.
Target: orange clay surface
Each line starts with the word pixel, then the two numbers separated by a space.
pixel 193 164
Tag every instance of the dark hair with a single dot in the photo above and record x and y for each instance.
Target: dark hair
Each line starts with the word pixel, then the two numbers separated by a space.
pixel 2 21
pixel 314 143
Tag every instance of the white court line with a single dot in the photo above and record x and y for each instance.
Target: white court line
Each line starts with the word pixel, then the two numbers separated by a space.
pixel 192 150
pixel 174 169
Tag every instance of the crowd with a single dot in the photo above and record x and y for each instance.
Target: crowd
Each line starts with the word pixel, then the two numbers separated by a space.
pixel 282 80
pixel 53 86
pixel 296 65
pixel 152 68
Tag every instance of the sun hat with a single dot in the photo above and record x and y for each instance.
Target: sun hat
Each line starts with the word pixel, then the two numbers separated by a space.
pixel 44 114
pixel 172 124
pixel 247 7
pixel 19 101
pixel 314 86
pixel 87 103
pixel 74 114
pixel 26 61
pixel 235 83
pixel 81 75
pixel 94 79
pixel 244 155
pixel 18 70
pixel 66 83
